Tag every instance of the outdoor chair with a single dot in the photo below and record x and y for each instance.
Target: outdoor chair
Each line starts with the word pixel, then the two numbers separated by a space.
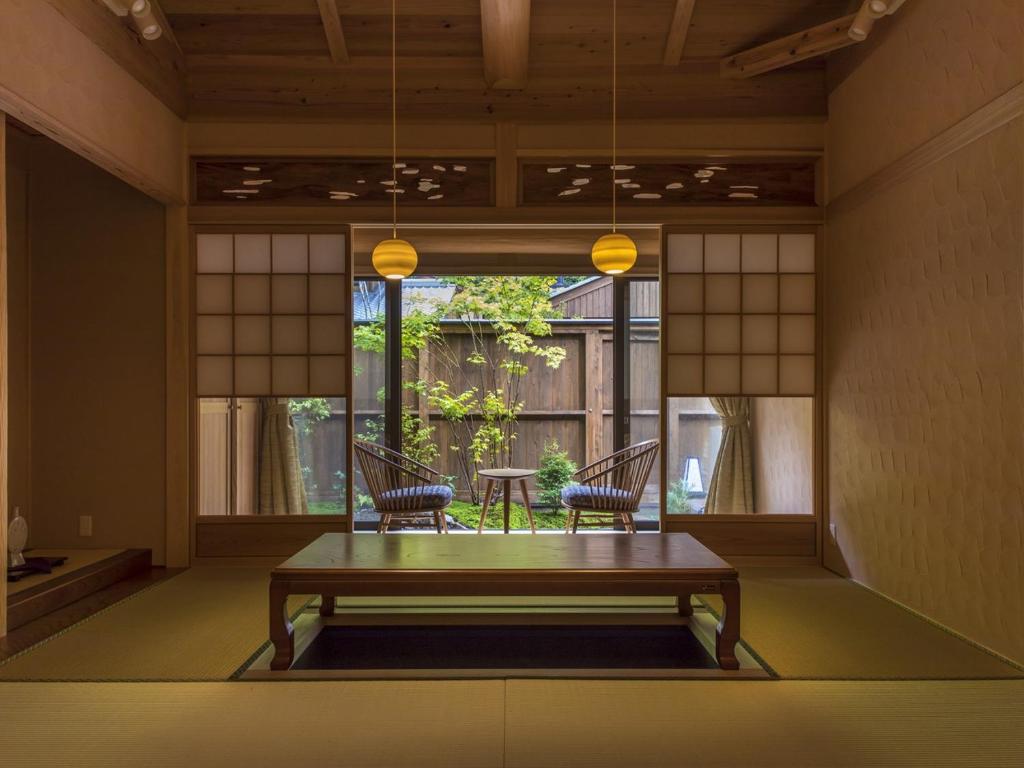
pixel 609 490
pixel 403 489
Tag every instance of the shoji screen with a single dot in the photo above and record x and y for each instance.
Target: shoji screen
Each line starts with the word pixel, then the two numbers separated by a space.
pixel 271 314
pixel 739 313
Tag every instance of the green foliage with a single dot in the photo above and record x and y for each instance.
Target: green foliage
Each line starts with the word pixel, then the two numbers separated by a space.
pixel 309 412
pixel 555 473
pixel 677 499
pixel 503 317
pixel 469 515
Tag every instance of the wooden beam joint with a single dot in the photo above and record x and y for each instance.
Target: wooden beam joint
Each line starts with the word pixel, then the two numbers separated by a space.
pixel 506 40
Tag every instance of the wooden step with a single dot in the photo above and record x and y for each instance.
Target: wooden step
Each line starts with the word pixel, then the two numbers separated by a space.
pixel 48 596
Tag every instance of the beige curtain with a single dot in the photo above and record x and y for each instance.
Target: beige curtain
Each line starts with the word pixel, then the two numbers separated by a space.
pixel 281 489
pixel 732 487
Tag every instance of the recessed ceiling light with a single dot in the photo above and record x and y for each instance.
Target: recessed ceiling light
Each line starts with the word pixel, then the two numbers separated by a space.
pixel 674 185
pixel 631 186
pixel 647 196
pixel 621 167
pixel 360 181
pixel 556 169
pixel 241 197
pixel 704 181
pixel 395 191
pixel 440 168
pixel 567 192
pixel 251 168
pixel 742 195
pixel 438 196
pixel 399 165
pixel 744 186
pixel 256 182
pixel 623 181
pixel 717 168
pixel 241 191
pixel 388 182
pixel 705 173
pixel 410 171
pixel 459 168
pixel 583 165
pixel 580 182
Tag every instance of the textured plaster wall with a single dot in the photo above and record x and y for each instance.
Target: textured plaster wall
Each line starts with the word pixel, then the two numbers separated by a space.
pixel 783 445
pixel 925 348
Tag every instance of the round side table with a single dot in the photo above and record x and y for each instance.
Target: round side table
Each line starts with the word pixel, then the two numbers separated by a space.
pixel 505 477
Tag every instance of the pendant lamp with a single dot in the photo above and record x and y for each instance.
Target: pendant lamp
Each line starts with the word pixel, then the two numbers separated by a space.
pixel 615 252
pixel 394 258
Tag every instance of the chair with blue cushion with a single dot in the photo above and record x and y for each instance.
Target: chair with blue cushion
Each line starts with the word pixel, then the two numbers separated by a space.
pixel 608 491
pixel 403 489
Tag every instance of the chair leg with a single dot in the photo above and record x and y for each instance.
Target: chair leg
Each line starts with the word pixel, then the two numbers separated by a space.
pixel 628 522
pixel 575 521
pixel 385 523
pixel 444 521
pixel 437 520
pixel 568 519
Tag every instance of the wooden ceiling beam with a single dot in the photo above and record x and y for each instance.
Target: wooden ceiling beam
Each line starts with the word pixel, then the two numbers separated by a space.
pixel 158 65
pixel 331 19
pixel 816 41
pixel 506 39
pixel 678 31
pixel 830 36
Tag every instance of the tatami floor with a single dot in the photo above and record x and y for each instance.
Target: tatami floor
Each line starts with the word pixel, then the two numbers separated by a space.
pixel 862 683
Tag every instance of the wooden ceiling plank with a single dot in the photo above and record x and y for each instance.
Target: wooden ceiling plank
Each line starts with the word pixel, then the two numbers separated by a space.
pixel 799 46
pixel 678 31
pixel 168 30
pixel 506 42
pixel 332 28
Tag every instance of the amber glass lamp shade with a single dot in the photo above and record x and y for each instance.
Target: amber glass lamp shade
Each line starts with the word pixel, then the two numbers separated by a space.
pixel 394 258
pixel 614 253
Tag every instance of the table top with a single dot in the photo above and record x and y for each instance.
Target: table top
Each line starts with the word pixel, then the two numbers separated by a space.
pixel 506 474
pixel 593 554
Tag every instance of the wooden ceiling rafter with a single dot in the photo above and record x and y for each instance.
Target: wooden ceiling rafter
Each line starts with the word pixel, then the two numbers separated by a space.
pixel 809 43
pixel 331 19
pixel 505 28
pixel 678 32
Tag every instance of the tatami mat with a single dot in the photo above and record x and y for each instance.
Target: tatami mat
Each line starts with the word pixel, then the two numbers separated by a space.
pixel 207 622
pixel 516 723
pixel 199 625
pixel 810 623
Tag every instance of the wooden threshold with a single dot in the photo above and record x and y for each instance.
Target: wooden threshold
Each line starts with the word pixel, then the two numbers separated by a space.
pixel 50 595
pixel 47 626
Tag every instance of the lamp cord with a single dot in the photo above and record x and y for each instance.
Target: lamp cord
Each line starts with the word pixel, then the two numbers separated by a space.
pixel 394 126
pixel 615 138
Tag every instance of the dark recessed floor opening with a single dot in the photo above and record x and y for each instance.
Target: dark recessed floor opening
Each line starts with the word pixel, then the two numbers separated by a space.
pixel 505 647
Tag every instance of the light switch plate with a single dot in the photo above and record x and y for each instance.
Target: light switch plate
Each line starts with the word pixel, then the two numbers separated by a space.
pixel 85 525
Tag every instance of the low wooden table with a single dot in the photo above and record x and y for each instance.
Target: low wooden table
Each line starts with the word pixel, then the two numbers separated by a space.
pixel 505 477
pixel 349 565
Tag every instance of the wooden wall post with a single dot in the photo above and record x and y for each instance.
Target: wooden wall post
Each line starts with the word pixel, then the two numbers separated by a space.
pixel 593 394
pixel 178 367
pixel 4 372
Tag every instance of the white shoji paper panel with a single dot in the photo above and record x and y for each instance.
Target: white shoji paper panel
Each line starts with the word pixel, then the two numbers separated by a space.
pixel 327 253
pixel 739 313
pixel 271 314
pixel 214 254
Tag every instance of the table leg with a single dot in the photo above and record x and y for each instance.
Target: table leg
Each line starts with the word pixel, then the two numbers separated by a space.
pixel 487 503
pixel 506 492
pixel 727 633
pixel 326 605
pixel 526 503
pixel 685 606
pixel 282 633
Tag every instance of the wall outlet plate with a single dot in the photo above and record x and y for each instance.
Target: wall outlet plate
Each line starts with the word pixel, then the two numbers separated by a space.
pixel 85 525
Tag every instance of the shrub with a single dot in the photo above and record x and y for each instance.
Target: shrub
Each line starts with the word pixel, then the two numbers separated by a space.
pixel 677 500
pixel 555 473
